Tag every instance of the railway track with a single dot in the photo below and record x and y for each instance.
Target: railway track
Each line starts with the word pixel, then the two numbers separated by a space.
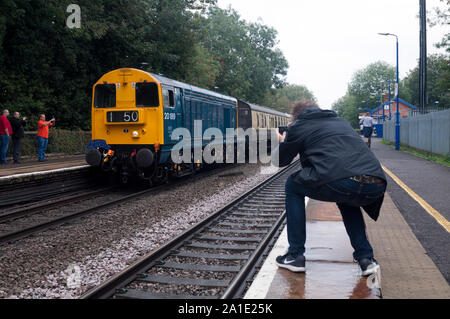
pixel 22 192
pixel 24 229
pixel 28 210
pixel 214 259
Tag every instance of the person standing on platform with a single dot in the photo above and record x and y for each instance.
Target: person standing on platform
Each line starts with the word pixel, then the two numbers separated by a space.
pixel 43 127
pixel 19 133
pixel 5 133
pixel 368 122
pixel 337 167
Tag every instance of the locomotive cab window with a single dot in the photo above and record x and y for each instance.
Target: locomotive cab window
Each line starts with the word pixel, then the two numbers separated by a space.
pixel 169 98
pixel 105 96
pixel 147 95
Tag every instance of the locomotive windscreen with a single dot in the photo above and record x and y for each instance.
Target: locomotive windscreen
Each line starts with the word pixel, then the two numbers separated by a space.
pixel 147 95
pixel 105 96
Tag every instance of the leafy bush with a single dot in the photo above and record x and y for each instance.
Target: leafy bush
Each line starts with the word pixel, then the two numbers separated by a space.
pixel 60 141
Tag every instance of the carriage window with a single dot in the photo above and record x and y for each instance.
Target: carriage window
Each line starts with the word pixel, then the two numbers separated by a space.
pixel 169 98
pixel 105 96
pixel 147 95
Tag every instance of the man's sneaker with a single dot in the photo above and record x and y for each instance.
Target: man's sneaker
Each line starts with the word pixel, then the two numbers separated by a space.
pixel 368 266
pixel 295 263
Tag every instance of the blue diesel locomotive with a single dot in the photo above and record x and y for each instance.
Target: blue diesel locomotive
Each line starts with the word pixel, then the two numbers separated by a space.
pixel 135 113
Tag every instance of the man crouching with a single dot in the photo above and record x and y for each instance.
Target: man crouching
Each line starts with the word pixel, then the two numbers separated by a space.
pixel 337 166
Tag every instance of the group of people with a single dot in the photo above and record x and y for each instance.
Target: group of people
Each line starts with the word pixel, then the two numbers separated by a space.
pixel 12 130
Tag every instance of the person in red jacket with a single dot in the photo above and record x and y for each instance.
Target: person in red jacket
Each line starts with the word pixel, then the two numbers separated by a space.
pixel 5 133
pixel 43 127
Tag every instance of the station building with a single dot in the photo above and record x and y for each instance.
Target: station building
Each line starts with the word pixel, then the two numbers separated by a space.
pixel 390 107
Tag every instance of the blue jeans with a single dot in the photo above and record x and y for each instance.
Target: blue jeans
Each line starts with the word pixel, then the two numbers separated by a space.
pixel 4 139
pixel 349 196
pixel 42 147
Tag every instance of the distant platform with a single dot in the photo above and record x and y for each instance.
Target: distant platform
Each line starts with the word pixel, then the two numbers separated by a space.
pixel 30 167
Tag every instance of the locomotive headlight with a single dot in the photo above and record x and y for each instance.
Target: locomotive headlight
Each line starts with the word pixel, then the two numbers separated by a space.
pixel 135 134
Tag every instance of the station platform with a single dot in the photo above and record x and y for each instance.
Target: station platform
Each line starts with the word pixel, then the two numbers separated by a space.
pixel 29 167
pixel 406 271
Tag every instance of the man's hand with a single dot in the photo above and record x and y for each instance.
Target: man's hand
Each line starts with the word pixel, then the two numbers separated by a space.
pixel 281 138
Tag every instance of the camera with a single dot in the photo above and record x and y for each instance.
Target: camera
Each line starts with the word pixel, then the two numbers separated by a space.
pixel 282 129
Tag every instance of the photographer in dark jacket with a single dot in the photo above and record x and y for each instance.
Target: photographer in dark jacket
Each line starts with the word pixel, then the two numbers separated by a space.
pixel 337 166
pixel 19 133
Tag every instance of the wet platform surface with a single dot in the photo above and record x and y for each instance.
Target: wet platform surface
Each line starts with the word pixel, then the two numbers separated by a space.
pixel 35 166
pixel 330 270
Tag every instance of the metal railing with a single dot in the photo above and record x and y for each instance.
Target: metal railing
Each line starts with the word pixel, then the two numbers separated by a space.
pixel 426 110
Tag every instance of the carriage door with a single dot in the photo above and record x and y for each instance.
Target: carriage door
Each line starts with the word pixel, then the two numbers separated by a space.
pixel 179 100
pixel 170 114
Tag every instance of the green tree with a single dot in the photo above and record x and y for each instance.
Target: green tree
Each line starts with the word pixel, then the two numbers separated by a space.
pixel 438 78
pixel 282 98
pixel 369 84
pixel 347 107
pixel 365 90
pixel 250 63
pixel 46 67
pixel 442 17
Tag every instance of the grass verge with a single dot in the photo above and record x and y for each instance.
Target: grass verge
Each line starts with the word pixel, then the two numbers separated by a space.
pixel 443 160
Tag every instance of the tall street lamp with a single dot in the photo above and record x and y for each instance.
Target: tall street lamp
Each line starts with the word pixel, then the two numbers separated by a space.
pixel 397 114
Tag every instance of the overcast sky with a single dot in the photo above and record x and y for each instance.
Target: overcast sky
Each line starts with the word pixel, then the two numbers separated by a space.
pixel 326 41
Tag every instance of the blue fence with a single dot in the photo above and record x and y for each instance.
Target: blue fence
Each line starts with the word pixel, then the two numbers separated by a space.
pixel 428 132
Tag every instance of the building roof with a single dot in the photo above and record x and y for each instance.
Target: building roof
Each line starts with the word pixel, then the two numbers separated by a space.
pixel 392 101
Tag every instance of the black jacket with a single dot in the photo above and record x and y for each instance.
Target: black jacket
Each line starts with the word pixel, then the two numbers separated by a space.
pixel 329 150
pixel 17 126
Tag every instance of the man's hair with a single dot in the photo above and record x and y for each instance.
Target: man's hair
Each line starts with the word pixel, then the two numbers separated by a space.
pixel 299 107
pixel 4 111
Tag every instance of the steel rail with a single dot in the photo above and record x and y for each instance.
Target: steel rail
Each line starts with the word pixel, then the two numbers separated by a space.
pixel 111 286
pixel 28 191
pixel 242 277
pixel 27 211
pixel 16 235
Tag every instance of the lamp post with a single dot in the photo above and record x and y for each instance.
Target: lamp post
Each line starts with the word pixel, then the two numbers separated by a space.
pixel 397 114
pixel 390 111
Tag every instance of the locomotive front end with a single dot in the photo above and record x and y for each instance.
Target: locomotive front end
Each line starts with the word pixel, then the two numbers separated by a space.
pixel 127 124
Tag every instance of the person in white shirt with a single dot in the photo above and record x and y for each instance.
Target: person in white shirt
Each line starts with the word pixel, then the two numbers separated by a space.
pixel 368 122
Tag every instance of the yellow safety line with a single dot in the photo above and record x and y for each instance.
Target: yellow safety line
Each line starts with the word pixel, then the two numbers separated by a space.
pixel 428 208
pixel 39 165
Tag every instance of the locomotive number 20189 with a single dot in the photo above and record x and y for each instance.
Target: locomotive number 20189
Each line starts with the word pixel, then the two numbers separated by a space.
pixel 122 117
pixel 170 116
